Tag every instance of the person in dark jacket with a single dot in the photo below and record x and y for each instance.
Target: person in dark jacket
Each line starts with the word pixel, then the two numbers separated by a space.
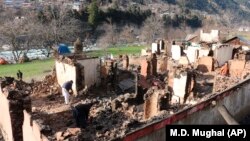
pixel 66 88
pixel 81 114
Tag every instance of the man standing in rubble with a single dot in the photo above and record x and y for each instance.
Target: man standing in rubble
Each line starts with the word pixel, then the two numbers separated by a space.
pixel 66 89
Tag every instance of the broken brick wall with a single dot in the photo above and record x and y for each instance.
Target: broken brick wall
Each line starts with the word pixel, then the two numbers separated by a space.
pixel 12 104
pixel 162 65
pixel 236 68
pixel 236 100
pixel 151 105
pixel 144 68
pixel 31 130
pixel 155 100
pixel 205 64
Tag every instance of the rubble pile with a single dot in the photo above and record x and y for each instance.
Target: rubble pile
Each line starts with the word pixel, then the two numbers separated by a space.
pixel 10 85
pixel 66 60
pixel 47 86
pixel 107 124
pixel 123 101
pixel 69 134
pixel 52 117
pixel 204 84
pixel 223 82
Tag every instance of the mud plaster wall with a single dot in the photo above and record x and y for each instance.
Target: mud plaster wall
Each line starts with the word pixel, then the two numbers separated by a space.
pixel 154 47
pixel 192 54
pixel 31 130
pixel 213 36
pixel 91 71
pixel 176 52
pixel 179 86
pixel 5 120
pixel 65 72
pixel 151 106
pixel 223 54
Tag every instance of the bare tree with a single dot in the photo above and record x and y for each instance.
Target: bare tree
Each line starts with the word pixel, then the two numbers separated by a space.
pixel 60 27
pixel 110 37
pixel 126 35
pixel 152 28
pixel 20 33
pixel 23 30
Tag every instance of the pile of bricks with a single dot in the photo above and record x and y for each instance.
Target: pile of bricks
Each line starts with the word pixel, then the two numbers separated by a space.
pixel 222 83
pixel 107 124
pixel 48 86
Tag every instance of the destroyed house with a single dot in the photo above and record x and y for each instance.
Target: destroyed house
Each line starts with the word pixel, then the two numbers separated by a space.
pixel 211 37
pixel 222 53
pixel 192 38
pixel 238 41
pixel 240 47
pixel 84 71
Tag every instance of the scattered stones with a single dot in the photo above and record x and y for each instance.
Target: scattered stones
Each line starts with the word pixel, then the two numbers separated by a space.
pixel 70 134
pixel 224 82
pixel 48 86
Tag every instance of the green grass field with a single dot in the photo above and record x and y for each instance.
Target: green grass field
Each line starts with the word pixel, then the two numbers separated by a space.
pixel 35 69
pixel 39 68
pixel 117 50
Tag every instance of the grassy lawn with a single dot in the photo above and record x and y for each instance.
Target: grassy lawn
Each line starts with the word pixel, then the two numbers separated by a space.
pixel 39 68
pixel 117 50
pixel 35 69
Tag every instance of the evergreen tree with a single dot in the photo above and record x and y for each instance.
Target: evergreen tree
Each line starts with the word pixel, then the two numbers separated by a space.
pixel 93 11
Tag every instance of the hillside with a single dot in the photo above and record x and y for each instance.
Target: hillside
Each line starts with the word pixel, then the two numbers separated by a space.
pixel 233 11
pixel 229 11
pixel 129 21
